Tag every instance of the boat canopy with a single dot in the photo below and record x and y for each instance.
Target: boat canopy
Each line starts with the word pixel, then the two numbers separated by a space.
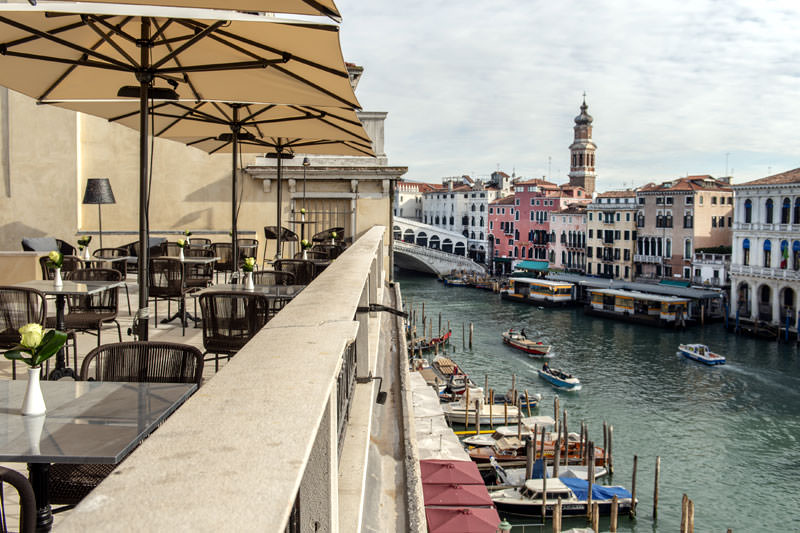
pixel 580 487
pixel 533 265
pixel 638 295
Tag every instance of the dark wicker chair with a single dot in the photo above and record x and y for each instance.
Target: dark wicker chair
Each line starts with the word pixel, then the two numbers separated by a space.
pixel 199 242
pixel 304 271
pixel 310 254
pixel 167 283
pixel 271 234
pixel 332 250
pixel 155 251
pixel 230 319
pixel 120 266
pixel 69 264
pixel 273 277
pixel 171 249
pixel 326 235
pixel 223 250
pixel 131 362
pixel 89 313
pixel 247 248
pixel 25 497
pixel 19 306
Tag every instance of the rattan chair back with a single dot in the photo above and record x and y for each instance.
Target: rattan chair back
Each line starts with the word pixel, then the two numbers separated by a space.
pixel 327 234
pixel 232 318
pixel 311 254
pixel 111 253
pixel 69 263
pixel 331 250
pixel 273 277
pixel 303 270
pixel 143 361
pixel 166 278
pixel 199 275
pixel 199 242
pixel 170 249
pixel 223 250
pixel 19 306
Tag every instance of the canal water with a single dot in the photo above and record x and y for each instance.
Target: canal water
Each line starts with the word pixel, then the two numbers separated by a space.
pixel 727 435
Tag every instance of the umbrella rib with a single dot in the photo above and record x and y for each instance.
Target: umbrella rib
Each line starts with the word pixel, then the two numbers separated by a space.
pixel 212 67
pixel 76 62
pixel 332 114
pixel 308 62
pixel 58 40
pixel 134 113
pixel 340 128
pixel 196 111
pixel 116 29
pixel 197 37
pixel 111 42
pixel 321 8
pixel 167 42
pixel 177 119
pixel 314 85
pixel 25 40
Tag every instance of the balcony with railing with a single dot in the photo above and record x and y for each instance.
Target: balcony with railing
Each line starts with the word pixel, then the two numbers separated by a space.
pixel 766 272
pixel 641 258
pixel 279 439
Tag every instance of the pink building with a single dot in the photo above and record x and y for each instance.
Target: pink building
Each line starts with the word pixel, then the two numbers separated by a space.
pixel 501 233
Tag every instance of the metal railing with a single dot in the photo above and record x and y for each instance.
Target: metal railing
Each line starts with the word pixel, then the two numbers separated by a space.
pixel 345 386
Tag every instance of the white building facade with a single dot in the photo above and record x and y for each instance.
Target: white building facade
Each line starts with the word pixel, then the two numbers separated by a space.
pixel 765 264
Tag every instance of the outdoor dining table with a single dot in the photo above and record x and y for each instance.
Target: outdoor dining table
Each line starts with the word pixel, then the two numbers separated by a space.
pixel 87 422
pixel 270 291
pixel 68 288
pixel 180 312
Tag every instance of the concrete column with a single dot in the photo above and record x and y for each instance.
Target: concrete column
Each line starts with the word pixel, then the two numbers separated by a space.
pixel 362 337
pixel 319 489
pixel 776 306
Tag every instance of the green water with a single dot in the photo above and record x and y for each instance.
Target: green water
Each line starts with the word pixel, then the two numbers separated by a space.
pixel 727 435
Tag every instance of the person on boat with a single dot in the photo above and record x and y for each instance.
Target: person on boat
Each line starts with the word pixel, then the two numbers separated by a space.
pixel 523 333
pixel 546 367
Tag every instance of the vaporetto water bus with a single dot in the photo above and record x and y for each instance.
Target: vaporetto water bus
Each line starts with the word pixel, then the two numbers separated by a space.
pixel 544 292
pixel 634 306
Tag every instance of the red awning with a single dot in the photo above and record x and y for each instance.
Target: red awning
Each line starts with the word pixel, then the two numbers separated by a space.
pixel 437 471
pixel 462 520
pixel 455 495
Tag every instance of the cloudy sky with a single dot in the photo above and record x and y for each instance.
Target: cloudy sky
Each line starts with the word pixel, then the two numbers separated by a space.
pixel 673 87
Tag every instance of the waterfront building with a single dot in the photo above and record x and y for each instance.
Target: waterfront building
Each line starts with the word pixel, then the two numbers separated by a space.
pixel 582 151
pixel 569 246
pixel 462 205
pixel 676 218
pixel 501 234
pixel 611 235
pixel 408 198
pixel 712 269
pixel 765 264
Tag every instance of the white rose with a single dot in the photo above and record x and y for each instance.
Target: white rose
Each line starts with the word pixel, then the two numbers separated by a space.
pixel 32 335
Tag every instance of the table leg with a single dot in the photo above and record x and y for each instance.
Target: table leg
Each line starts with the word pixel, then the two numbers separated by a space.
pixel 38 474
pixel 179 313
pixel 61 369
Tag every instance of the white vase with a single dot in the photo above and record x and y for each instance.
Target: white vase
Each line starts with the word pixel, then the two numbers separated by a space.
pixel 333 241
pixel 57 281
pixel 33 429
pixel 86 255
pixel 305 254
pixel 33 404
pixel 181 255
pixel 248 281
pixel 187 242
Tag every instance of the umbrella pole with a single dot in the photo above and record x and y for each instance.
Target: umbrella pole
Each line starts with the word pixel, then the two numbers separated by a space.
pixel 143 315
pixel 278 150
pixel 235 175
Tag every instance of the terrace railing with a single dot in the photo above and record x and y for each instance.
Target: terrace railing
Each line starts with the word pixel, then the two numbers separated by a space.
pixel 277 440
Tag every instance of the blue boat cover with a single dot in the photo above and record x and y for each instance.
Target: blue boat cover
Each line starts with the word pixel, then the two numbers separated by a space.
pixel 538 471
pixel 581 489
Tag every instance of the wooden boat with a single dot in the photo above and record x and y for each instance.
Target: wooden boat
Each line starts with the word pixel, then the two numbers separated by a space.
pixel 537 495
pixel 489 439
pixel 559 378
pixel 512 449
pixel 540 292
pixel 701 353
pixel 455 282
pixel 457 412
pixel 427 345
pixel 520 341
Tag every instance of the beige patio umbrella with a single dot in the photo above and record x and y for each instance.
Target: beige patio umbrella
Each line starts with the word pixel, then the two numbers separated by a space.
pixel 76 51
pixel 257 128
pixel 297 7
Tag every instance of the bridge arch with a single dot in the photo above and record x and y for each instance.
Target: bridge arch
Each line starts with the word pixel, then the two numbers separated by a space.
pixel 408 236
pixel 460 249
pixel 434 242
pixel 397 233
pixel 422 238
pixel 447 246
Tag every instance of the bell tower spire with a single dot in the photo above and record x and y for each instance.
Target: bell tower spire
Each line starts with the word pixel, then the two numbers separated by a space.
pixel 581 168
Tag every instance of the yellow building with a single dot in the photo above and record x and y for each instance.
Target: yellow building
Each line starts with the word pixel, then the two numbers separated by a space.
pixel 611 235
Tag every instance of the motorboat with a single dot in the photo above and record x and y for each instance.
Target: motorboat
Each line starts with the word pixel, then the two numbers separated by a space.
pixel 559 378
pixel 516 476
pixel 538 495
pixel 520 341
pixel 701 353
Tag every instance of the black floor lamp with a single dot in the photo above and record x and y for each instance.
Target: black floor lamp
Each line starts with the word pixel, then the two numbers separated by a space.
pixel 98 191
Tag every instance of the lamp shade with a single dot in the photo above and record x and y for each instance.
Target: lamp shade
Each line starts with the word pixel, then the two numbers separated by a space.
pixel 98 191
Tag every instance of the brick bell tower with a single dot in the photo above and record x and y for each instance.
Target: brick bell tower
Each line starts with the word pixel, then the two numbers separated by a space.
pixel 581 168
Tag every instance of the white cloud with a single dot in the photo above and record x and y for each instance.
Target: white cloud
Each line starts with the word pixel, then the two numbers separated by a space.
pixel 673 86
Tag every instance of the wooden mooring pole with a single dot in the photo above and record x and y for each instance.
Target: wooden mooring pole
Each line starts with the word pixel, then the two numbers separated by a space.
pixel 491 405
pixel 477 417
pixel 423 317
pixel 463 336
pixel 614 513
pixel 530 451
pixel 556 517
pixel 633 485
pixel 471 331
pixel 610 450
pixel 440 325
pixel 655 488
pixel 684 513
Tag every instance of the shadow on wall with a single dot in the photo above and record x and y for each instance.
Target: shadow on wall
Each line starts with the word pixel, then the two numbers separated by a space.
pixel 11 235
pixel 195 219
pixel 216 191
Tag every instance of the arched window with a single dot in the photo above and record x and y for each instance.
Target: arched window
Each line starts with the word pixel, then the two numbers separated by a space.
pixel 748 211
pixel 796 217
pixel 746 252
pixel 522 252
pixel 516 251
pixel 563 257
pixel 767 253
pixel 784 254
pixel 482 208
pixel 472 221
pixel 768 211
pixel 472 235
pixel 530 252
pixel 480 236
pixel 452 221
pixel 472 207
pixel 437 220
pixel 516 234
pixel 481 222
pixel 687 248
pixel 786 210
